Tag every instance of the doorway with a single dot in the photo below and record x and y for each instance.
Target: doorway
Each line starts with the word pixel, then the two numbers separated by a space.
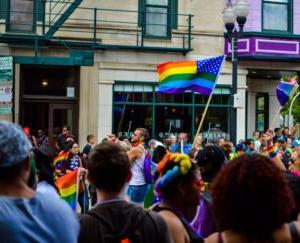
pixel 49 97
pixel 61 115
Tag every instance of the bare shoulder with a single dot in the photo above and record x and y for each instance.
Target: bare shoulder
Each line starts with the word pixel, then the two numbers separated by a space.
pixel 213 238
pixel 175 226
pixel 171 219
pixel 135 153
pixel 135 150
pixel 297 224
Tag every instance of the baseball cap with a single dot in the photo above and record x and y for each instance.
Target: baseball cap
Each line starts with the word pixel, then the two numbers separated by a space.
pixel 240 147
pixel 14 145
pixel 295 143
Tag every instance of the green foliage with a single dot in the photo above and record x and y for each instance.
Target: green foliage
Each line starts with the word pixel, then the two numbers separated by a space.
pixel 295 111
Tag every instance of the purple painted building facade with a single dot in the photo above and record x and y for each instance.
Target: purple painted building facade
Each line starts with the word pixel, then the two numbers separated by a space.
pixel 257 43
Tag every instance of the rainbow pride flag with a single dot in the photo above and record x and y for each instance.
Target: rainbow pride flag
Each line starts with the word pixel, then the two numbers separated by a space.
pixel 60 157
pixel 67 188
pixel 285 90
pixel 197 76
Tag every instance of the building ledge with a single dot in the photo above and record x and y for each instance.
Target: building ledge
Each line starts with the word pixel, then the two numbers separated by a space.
pixel 264 46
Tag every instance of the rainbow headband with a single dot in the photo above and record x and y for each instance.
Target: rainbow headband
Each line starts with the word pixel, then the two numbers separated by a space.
pixel 182 167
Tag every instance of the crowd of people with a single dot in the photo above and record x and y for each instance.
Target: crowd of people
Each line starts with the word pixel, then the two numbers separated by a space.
pixel 201 192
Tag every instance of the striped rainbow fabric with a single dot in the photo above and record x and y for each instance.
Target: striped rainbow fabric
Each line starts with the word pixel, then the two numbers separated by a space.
pixel 197 76
pixel 62 156
pixel 67 188
pixel 285 90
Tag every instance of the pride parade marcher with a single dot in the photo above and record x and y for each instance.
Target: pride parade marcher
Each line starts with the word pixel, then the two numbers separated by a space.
pixel 114 219
pixel 138 185
pixel 178 187
pixel 182 146
pixel 25 215
pixel 67 162
pixel 210 161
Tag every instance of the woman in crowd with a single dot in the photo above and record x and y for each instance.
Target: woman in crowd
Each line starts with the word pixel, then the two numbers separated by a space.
pixel 179 190
pixel 252 203
pixel 71 163
pixel 210 161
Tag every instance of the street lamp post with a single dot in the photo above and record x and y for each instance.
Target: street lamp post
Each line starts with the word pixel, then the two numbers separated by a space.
pixel 232 14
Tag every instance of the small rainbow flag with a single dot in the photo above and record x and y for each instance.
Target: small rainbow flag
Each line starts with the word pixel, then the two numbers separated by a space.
pixel 60 157
pixel 67 188
pixel 285 90
pixel 197 76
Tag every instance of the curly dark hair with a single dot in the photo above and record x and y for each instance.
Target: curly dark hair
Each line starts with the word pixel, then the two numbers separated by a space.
pixel 251 197
pixel 210 160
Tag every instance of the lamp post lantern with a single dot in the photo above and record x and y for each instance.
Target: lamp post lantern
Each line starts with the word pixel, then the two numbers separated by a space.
pixel 233 14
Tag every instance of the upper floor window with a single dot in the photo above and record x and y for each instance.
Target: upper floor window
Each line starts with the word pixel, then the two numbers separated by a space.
pixel 21 15
pixel 277 15
pixel 158 17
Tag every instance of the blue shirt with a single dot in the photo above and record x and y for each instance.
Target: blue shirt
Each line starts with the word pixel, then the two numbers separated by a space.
pixel 41 218
pixel 175 148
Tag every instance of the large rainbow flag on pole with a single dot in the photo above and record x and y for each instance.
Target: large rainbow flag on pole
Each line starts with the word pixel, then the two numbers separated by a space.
pixel 68 186
pixel 197 76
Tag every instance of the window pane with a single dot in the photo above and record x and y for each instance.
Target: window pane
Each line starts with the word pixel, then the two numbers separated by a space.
pixel 129 117
pixel 260 122
pixel 275 16
pixel 185 98
pixel 132 97
pixel 133 93
pixel 48 80
pixel 156 21
pixel 172 119
pixel 157 2
pixel 215 123
pixel 279 1
pixel 21 15
pixel 261 103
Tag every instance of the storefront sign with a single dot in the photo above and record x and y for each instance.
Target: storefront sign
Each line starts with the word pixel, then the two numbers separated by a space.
pixel 212 135
pixel 6 85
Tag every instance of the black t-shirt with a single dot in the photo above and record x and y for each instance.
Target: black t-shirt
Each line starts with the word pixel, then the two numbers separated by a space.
pixel 112 222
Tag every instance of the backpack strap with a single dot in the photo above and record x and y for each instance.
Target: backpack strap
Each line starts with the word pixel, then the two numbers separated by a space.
pixel 294 233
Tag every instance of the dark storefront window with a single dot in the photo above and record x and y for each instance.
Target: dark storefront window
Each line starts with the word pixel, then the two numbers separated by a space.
pixel 138 105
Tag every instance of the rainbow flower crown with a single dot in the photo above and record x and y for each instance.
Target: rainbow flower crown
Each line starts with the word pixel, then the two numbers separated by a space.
pixel 182 167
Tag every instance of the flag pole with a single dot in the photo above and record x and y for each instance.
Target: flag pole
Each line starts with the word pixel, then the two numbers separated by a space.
pixel 77 189
pixel 208 103
pixel 203 116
